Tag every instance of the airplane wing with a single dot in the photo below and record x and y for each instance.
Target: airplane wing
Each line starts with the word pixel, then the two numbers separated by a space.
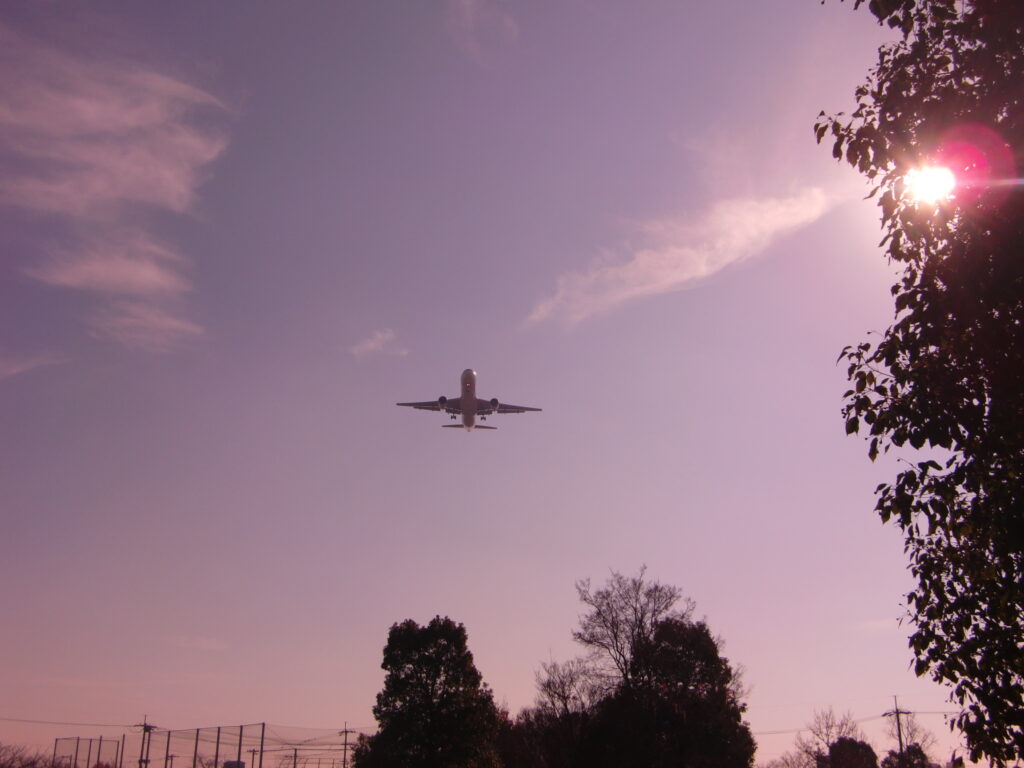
pixel 486 408
pixel 506 408
pixel 451 405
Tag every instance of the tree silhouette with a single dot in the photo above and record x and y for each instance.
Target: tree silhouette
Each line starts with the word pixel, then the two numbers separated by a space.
pixel 623 616
pixel 848 753
pixel 654 692
pixel 946 377
pixel 434 710
pixel 680 708
pixel 913 757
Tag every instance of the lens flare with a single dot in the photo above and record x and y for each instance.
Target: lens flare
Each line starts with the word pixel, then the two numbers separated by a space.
pixel 931 184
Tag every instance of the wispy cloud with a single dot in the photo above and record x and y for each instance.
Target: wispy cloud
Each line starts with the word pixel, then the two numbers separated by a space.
pixel 677 254
pixel 12 366
pixel 97 143
pixel 381 342
pixel 477 26
pixel 143 325
pixel 122 262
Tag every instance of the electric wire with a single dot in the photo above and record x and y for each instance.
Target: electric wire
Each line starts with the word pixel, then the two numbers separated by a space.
pixel 55 722
pixel 285 744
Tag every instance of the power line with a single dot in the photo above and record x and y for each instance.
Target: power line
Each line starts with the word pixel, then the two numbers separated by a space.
pixel 55 722
pixel 858 721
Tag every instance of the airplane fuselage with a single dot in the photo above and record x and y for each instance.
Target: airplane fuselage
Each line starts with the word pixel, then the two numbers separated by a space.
pixel 467 395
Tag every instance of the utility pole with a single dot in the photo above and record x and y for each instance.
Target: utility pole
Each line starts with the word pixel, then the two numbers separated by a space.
pixel 147 729
pixel 344 749
pixel 899 728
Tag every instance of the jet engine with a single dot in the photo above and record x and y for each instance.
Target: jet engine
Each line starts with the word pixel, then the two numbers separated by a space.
pixel 494 404
pixel 442 401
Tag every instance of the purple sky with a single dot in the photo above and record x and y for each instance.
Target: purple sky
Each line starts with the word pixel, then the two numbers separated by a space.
pixel 234 234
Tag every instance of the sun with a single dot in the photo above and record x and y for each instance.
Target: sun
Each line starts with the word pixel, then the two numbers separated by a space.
pixel 930 184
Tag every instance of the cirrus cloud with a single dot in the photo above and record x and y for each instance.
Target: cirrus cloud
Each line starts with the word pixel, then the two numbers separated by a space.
pixel 97 144
pixel 12 366
pixel 679 254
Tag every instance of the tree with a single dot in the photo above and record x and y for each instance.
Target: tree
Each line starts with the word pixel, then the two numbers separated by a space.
pixel 946 378
pixel 551 733
pixel 913 757
pixel 825 729
pixel 573 687
pixel 848 753
pixel 22 757
pixel 434 710
pixel 910 731
pixel 622 616
pixel 789 760
pixel 655 690
pixel 676 700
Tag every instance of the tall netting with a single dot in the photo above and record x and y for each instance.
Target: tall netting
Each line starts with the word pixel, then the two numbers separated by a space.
pixel 78 752
pixel 295 747
pixel 258 745
pixel 223 746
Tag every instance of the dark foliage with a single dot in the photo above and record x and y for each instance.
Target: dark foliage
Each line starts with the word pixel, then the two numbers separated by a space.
pixel 680 708
pixel 542 738
pixel 913 757
pixel 434 710
pixel 947 378
pixel 848 753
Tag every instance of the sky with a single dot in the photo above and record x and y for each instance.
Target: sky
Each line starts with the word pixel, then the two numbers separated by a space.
pixel 233 235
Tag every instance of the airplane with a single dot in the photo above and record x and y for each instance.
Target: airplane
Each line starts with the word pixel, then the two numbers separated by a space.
pixel 468 405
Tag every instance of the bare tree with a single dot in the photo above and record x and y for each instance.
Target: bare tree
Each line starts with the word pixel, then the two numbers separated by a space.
pixel 913 732
pixel 824 730
pixel 623 616
pixel 790 760
pixel 569 688
pixel 21 757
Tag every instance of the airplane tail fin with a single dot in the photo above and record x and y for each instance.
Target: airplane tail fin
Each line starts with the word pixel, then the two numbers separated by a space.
pixel 460 426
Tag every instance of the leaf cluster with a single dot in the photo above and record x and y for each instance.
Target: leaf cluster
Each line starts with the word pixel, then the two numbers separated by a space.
pixel 947 377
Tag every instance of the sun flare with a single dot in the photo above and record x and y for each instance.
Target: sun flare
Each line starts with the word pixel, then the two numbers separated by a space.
pixel 931 184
